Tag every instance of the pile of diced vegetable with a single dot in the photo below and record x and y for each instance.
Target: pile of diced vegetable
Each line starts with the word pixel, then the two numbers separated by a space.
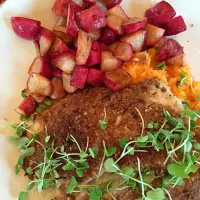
pixel 89 44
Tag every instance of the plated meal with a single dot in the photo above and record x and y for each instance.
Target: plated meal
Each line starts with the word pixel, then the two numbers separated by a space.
pixel 110 109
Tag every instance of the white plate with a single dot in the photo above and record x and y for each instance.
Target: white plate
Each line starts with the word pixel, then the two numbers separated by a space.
pixel 16 55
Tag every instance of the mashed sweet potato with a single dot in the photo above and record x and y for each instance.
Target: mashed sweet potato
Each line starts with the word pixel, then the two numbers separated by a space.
pixel 143 67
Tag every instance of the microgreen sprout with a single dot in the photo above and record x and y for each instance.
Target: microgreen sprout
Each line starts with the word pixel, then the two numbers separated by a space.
pixel 103 123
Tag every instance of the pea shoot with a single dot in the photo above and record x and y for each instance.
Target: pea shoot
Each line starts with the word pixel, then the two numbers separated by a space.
pixel 103 123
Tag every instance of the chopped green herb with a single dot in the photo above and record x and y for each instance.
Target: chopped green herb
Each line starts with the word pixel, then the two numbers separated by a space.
pixel 23 95
pixel 103 124
pixel 48 102
pixel 161 65
pixel 183 78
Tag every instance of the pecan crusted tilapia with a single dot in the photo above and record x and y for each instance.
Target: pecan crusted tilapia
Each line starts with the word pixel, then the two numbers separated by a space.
pixel 79 114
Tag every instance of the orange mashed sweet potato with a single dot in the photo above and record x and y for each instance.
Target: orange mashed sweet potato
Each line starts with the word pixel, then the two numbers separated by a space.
pixel 143 67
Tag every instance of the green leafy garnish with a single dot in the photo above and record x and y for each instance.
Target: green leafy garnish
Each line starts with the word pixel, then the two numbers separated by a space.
pixel 123 142
pixel 94 151
pixel 29 171
pixel 183 78
pixel 95 193
pixel 47 138
pixel 103 124
pixel 110 165
pixel 72 185
pixel 23 95
pixel 157 194
pixel 185 104
pixel 161 65
pixel 23 196
pixel 198 97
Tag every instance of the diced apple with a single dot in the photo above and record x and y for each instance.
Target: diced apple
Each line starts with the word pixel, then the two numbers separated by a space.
pixel 113 46
pixel 42 66
pixel 115 23
pixel 108 37
pixel 84 48
pixel 134 24
pixel 136 40
pixel 112 3
pixel 58 47
pixel 26 28
pixel 40 85
pixel 65 61
pixel 68 40
pixel 46 39
pixel 27 107
pixel 117 10
pixel 177 60
pixel 117 79
pixel 79 77
pixel 57 72
pixel 95 55
pixel 123 51
pixel 109 62
pixel 160 13
pixel 58 91
pixel 153 34
pixel 60 7
pixel 91 19
pixel 95 77
pixel 96 34
pixel 66 84
pixel 103 47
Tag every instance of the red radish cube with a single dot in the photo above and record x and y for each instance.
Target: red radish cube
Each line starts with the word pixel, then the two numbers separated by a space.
pixel 36 97
pixel 178 49
pixel 68 40
pixel 46 39
pixel 103 47
pixel 84 48
pixel 109 62
pixel 58 47
pixel 108 37
pixel 42 66
pixel 160 13
pixel 61 22
pixel 177 60
pixel 123 51
pixel 40 85
pixel 79 77
pixel 72 28
pixel 175 26
pixel 27 107
pixel 153 34
pixel 160 43
pixel 136 40
pixel 66 84
pixel 113 46
pixel 91 1
pixel 95 77
pixel 134 24
pixel 65 61
pixel 115 23
pixel 60 7
pixel 112 3
pixel 58 90
pixel 117 79
pixel 95 55
pixel 96 34
pixel 26 28
pixel 57 72
pixel 91 19
pixel 117 10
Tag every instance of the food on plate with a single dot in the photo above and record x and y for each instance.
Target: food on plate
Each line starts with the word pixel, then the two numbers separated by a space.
pixel 113 107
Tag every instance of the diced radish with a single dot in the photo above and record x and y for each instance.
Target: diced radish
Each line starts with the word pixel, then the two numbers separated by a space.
pixel 75 42
pixel 79 77
pixel 153 34
pixel 136 40
pixel 26 28
pixel 113 46
pixel 37 48
pixel 72 28
pixel 123 51
pixel 177 48
pixel 96 34
pixel 57 72
pixel 42 66
pixel 134 24
pixel 117 79
pixel 84 48
pixel 58 90
pixel 112 3
pixel 91 1
pixel 58 47
pixel 175 26
pixel 177 60
pixel 68 40
pixel 160 43
pixel 109 62
pixel 36 97
pixel 27 107
pixel 80 3
pixel 40 85
pixel 103 47
pixel 65 61
pixel 95 77
pixel 117 10
pixel 95 55
pixel 60 7
pixel 91 19
pixel 115 23
pixel 108 37
pixel 160 13
pixel 46 39
pixel 62 20
pixel 66 84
